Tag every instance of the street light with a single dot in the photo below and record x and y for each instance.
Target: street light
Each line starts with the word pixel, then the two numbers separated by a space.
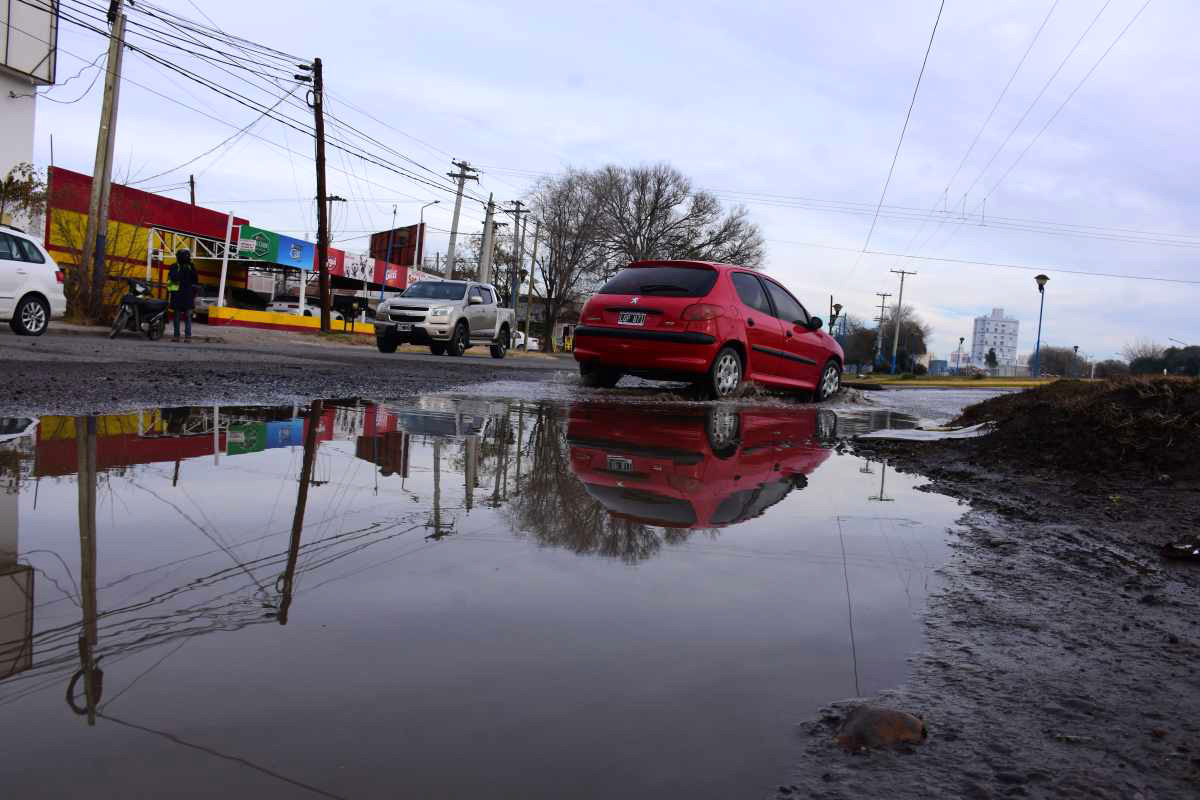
pixel 1042 280
pixel 961 339
pixel 420 238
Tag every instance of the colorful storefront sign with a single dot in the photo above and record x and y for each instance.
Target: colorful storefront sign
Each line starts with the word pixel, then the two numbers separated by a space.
pixel 246 437
pixel 274 248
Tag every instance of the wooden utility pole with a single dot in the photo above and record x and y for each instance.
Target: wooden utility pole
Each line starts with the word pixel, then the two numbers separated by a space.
pixel 95 239
pixel 537 229
pixel 192 188
pixel 899 316
pixel 465 173
pixel 322 209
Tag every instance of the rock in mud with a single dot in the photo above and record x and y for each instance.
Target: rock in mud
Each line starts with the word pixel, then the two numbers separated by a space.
pixel 872 728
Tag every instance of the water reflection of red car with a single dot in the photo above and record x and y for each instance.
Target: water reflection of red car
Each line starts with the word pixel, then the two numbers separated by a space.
pixel 695 467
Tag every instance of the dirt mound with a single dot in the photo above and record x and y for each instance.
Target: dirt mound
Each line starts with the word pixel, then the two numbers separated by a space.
pixel 1149 426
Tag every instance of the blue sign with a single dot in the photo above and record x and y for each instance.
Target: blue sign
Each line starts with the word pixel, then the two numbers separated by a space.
pixel 285 434
pixel 295 253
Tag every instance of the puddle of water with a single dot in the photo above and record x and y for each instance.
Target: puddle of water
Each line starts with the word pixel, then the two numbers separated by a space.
pixel 447 596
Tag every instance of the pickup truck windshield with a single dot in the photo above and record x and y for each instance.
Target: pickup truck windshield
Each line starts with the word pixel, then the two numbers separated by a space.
pixel 436 290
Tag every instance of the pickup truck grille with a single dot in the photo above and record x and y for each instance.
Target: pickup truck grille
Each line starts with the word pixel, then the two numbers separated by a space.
pixel 407 317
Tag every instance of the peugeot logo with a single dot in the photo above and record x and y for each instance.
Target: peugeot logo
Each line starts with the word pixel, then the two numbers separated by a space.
pixel 634 300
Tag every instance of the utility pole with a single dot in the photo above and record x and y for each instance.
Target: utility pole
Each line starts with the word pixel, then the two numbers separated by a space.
pixel 514 277
pixel 465 172
pixel 485 249
pixel 94 245
pixel 899 315
pixel 537 229
pixel 318 106
pixel 883 296
pixel 306 469
pixel 192 188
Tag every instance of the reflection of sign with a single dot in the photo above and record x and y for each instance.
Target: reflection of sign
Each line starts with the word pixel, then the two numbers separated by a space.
pixel 285 434
pixel 246 437
pixel 16 619
pixel 263 245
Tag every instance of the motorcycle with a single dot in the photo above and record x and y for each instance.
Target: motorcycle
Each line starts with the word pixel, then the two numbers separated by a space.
pixel 140 313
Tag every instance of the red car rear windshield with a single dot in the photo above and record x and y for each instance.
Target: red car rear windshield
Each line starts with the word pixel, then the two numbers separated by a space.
pixel 665 281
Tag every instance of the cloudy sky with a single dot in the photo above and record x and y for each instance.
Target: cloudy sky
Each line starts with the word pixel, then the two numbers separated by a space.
pixel 793 109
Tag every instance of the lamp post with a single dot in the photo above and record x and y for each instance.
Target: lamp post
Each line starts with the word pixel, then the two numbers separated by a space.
pixel 1075 362
pixel 961 339
pixel 420 237
pixel 1042 280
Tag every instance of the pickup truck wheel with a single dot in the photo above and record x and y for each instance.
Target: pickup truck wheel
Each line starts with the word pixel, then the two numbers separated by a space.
pixel 438 349
pixel 386 344
pixel 459 341
pixel 500 347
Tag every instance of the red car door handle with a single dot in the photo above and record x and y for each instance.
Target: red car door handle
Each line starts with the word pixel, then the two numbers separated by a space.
pixel 750 322
pixel 788 334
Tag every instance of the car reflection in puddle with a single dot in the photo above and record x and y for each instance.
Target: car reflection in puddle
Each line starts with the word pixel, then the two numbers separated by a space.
pixel 349 595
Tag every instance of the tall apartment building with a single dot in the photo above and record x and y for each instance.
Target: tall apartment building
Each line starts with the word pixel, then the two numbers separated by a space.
pixel 998 331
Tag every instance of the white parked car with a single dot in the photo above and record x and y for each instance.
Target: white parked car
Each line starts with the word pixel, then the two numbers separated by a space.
pixel 31 284
pixel 284 307
pixel 519 342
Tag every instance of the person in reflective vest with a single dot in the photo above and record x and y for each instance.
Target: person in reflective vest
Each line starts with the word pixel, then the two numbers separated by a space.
pixel 181 283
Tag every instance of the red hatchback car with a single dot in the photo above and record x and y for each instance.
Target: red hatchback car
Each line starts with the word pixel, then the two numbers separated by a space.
pixel 712 324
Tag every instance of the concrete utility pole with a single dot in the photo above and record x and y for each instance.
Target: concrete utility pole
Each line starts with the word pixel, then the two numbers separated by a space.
pixel 514 279
pixel 95 239
pixel 537 229
pixel 322 212
pixel 485 249
pixel 899 315
pixel 465 173
pixel 883 296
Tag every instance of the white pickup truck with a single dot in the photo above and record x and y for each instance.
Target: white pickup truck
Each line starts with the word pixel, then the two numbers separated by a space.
pixel 449 316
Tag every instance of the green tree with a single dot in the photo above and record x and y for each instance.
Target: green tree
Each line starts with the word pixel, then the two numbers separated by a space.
pixel 22 195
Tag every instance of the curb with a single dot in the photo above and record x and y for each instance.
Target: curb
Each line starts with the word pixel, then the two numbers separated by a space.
pixel 103 333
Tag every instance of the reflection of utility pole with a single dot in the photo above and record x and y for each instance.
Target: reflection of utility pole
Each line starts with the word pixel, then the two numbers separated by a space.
pixel 882 477
pixel 520 436
pixel 470 448
pixel 85 443
pixel 865 469
pixel 306 470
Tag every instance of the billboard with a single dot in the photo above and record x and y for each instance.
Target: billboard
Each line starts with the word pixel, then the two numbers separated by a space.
pixel 29 43
pixel 258 244
pixel 402 241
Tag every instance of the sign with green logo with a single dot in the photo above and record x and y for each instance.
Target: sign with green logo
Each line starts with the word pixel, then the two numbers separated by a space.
pixel 246 437
pixel 263 245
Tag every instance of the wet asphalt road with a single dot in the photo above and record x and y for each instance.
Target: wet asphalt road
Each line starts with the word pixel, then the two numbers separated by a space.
pixel 87 373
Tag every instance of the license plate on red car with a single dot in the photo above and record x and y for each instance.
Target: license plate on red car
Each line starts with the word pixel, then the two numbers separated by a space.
pixel 619 464
pixel 631 318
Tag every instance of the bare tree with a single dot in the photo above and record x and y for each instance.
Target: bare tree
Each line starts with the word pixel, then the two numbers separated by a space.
pixel 1142 348
pixel 570 251
pixel 654 212
pixel 23 196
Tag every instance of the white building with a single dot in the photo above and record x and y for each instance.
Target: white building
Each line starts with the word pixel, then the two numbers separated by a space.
pixel 28 48
pixel 995 331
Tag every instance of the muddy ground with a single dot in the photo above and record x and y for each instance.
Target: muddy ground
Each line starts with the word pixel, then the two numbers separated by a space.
pixel 1062 655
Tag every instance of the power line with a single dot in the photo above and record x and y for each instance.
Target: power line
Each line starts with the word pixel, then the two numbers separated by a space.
pixel 904 129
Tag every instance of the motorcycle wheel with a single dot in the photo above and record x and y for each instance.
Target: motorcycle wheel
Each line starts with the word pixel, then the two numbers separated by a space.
pixel 154 331
pixel 119 323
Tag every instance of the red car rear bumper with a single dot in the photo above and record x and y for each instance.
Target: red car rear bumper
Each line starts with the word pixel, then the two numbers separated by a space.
pixel 642 350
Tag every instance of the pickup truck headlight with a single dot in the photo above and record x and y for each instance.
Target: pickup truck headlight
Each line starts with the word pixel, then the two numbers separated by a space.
pixel 442 311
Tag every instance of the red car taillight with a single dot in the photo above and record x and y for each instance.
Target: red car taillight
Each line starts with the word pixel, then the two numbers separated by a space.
pixel 58 276
pixel 702 311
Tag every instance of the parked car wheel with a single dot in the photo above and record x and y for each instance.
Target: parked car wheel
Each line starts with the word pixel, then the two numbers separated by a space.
pixel 831 381
pixel 386 344
pixel 595 377
pixel 31 317
pixel 460 340
pixel 438 349
pixel 501 345
pixel 725 374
